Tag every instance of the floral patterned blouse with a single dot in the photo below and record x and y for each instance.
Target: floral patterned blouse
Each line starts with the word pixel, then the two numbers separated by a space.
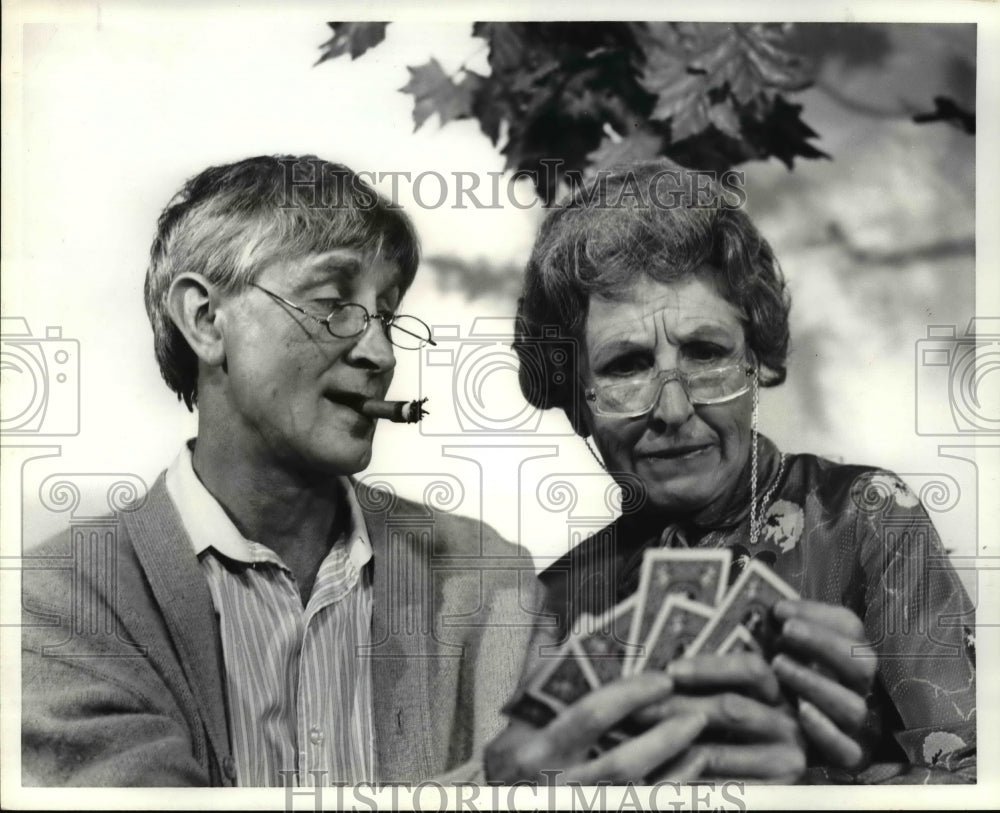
pixel 849 535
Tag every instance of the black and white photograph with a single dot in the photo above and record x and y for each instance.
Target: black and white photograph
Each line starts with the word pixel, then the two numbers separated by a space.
pixel 499 406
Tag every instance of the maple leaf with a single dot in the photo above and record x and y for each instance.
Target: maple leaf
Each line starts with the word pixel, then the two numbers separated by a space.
pixel 507 47
pixel 689 64
pixel 353 38
pixel 489 106
pixel 725 118
pixel 782 133
pixel 766 55
pixel 434 91
pixel 528 81
pixel 711 149
pixel 681 93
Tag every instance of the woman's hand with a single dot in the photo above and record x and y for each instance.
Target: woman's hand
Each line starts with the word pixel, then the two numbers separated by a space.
pixel 827 662
pixel 751 733
pixel 710 716
pixel 565 746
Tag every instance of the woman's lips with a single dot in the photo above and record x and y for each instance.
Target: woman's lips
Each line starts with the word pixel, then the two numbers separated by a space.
pixel 677 452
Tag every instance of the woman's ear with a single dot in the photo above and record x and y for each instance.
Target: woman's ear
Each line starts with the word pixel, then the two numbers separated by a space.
pixel 192 303
pixel 579 415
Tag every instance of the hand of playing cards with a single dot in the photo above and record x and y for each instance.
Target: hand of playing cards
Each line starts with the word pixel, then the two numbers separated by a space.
pixel 680 609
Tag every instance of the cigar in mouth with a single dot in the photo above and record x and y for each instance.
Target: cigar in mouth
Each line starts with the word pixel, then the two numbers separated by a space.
pixel 395 411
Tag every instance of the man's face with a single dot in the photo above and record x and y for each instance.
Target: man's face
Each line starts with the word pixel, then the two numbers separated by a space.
pixel 285 374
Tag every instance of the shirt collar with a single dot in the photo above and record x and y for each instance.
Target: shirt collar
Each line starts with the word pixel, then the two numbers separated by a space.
pixel 208 525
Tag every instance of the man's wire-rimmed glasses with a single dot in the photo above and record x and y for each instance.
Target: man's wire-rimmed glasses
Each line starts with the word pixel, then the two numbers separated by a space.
pixel 636 396
pixel 350 319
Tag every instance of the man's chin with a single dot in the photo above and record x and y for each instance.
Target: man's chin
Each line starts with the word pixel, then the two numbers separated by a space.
pixel 347 457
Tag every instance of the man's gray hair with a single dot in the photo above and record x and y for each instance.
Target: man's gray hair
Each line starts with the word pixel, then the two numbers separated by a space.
pixel 230 222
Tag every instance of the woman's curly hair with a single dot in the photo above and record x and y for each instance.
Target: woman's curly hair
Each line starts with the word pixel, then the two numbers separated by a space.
pixel 654 218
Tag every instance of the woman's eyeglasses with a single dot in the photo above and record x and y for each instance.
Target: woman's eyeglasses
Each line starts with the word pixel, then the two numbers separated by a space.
pixel 636 396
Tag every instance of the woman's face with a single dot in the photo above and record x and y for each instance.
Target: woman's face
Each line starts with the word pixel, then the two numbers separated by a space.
pixel 690 458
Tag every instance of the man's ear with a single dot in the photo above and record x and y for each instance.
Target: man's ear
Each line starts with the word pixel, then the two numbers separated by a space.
pixel 192 302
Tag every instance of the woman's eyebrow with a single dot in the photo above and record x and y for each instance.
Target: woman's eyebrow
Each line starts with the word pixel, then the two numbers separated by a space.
pixel 616 346
pixel 705 332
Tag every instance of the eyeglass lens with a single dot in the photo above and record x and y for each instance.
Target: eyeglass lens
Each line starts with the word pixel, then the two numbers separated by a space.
pixel 406 332
pixel 704 387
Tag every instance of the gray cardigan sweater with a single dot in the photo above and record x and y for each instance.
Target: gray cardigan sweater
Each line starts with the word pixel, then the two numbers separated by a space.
pixel 122 674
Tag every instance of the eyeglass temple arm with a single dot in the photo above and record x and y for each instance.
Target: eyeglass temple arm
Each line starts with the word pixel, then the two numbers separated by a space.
pixel 429 340
pixel 293 306
pixel 326 320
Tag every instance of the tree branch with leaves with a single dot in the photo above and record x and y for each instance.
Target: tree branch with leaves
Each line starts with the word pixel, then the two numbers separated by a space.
pixel 708 95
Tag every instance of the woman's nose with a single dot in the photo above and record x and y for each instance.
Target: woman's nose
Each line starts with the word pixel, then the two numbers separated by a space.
pixel 672 407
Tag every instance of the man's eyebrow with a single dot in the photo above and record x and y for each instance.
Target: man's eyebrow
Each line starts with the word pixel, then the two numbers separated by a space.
pixel 332 268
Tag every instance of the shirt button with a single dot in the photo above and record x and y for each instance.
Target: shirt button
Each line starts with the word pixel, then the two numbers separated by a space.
pixel 229 768
pixel 315 736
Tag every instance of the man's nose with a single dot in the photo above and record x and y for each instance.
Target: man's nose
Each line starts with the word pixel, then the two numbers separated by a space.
pixel 373 348
pixel 672 407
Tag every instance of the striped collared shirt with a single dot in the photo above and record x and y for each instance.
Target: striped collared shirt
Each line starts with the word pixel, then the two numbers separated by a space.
pixel 299 698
